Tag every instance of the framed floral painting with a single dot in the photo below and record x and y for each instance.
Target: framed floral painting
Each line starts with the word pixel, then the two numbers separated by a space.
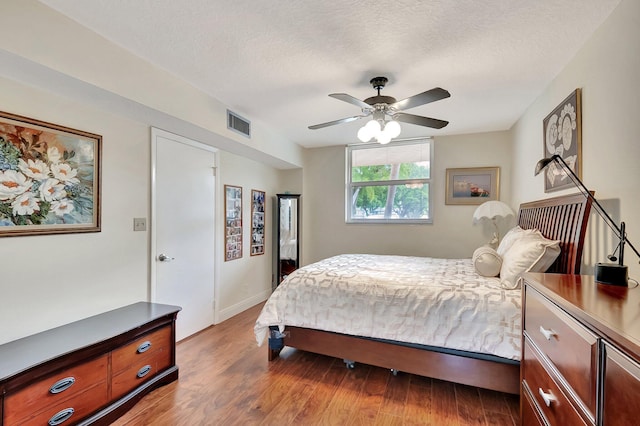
pixel 49 178
pixel 563 136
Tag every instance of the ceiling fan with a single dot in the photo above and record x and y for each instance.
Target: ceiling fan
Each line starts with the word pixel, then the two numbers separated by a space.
pixel 381 107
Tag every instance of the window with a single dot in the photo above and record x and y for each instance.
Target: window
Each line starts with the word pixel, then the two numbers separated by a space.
pixel 389 183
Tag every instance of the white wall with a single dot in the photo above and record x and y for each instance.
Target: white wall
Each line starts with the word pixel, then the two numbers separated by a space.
pixel 49 280
pixel 60 55
pixel 452 233
pixel 62 73
pixel 244 282
pixel 607 69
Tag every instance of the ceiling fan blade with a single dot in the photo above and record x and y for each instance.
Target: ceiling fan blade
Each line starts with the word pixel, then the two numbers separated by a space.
pixel 429 96
pixel 350 99
pixel 420 120
pixel 334 122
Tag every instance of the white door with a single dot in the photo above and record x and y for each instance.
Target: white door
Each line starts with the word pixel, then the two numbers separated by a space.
pixel 183 224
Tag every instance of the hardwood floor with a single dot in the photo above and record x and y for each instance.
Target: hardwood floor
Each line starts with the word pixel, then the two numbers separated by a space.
pixel 225 379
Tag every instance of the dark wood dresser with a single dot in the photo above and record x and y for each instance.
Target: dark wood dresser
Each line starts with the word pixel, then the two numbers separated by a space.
pixel 580 352
pixel 90 371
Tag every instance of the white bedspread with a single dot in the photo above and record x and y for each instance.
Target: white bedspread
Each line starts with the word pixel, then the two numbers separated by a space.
pixel 437 302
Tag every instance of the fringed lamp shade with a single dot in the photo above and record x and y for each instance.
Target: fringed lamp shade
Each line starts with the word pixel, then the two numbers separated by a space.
pixel 492 210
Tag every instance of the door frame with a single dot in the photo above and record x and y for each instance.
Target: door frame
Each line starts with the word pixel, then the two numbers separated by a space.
pixel 155 132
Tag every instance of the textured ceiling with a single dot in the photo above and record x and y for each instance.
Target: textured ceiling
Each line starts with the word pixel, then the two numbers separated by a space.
pixel 276 61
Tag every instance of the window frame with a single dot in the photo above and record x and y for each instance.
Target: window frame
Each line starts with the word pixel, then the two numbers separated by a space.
pixel 349 185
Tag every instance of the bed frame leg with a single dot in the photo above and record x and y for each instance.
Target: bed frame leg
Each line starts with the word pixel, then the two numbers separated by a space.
pixel 276 343
pixel 273 354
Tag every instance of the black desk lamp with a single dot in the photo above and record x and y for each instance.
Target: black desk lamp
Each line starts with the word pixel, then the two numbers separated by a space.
pixel 605 273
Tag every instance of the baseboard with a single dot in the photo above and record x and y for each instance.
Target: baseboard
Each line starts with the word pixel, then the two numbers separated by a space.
pixel 226 313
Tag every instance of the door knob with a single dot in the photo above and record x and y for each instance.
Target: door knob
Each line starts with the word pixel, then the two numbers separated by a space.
pixel 165 258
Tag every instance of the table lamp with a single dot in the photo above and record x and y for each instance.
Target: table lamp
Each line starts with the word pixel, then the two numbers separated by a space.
pixel 492 210
pixel 605 273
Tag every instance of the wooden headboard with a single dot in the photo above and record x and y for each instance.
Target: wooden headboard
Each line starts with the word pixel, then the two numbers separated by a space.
pixel 561 218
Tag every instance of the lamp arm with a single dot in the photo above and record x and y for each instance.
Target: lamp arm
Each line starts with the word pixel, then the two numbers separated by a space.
pixel 624 240
pixel 618 230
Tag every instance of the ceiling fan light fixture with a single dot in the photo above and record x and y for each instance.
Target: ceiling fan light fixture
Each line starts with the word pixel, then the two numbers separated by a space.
pixel 382 131
pixel 379 129
pixel 392 129
pixel 380 108
pixel 364 134
pixel 383 138
pixel 373 126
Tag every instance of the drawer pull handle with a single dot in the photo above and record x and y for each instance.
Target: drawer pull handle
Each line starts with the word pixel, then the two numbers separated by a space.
pixel 61 417
pixel 144 346
pixel 548 334
pixel 548 398
pixel 144 371
pixel 62 385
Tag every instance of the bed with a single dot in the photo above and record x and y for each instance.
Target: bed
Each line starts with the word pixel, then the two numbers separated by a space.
pixel 480 345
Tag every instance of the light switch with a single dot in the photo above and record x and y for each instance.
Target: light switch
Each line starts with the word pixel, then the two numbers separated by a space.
pixel 139 224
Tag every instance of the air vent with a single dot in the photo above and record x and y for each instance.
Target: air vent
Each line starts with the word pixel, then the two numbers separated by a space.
pixel 238 124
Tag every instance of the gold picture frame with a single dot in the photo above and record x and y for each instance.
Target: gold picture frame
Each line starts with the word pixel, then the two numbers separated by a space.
pixel 49 178
pixel 472 185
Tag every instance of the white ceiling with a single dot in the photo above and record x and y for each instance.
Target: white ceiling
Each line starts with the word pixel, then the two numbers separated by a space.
pixel 276 61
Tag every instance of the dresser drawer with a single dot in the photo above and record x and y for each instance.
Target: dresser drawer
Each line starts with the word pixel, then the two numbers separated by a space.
pixel 56 388
pixel 620 388
pixel 142 350
pixel 569 346
pixel 140 372
pixel 66 412
pixel 528 412
pixel 538 381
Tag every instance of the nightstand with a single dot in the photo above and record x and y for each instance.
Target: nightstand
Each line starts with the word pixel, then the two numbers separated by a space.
pixel 580 352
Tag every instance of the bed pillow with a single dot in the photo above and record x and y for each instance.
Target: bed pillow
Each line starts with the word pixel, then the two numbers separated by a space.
pixel 532 252
pixel 510 237
pixel 486 261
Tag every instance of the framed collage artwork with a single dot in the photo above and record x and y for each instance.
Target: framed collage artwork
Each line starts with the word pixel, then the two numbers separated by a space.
pixel 233 222
pixel 257 222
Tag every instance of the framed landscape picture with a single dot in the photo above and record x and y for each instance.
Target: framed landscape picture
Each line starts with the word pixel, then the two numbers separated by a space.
pixel 563 136
pixel 473 185
pixel 49 178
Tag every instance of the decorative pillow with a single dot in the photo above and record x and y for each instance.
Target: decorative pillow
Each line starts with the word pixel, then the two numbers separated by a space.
pixel 532 252
pixel 487 261
pixel 510 237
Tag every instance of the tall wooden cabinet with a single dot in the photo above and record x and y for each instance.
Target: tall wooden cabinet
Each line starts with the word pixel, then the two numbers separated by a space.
pixel 580 352
pixel 287 232
pixel 89 371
